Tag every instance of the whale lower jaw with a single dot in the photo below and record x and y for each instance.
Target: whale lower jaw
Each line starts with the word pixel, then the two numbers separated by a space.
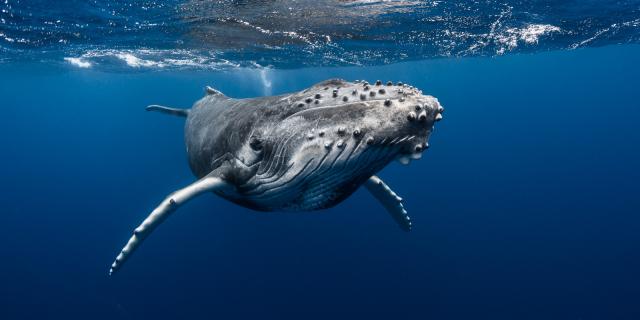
pixel 405 159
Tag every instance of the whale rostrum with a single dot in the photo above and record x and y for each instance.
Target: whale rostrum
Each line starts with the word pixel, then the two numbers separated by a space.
pixel 301 151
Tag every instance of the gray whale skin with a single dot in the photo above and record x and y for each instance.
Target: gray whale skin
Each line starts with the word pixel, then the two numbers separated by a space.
pixel 302 151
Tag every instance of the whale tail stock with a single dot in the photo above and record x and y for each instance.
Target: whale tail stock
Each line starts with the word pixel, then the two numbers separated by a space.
pixel 168 110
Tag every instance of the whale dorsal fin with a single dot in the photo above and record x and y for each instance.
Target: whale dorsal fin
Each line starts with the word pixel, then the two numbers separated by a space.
pixel 210 91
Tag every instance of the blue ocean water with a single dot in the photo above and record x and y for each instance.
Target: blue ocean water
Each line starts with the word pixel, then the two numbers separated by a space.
pixel 525 206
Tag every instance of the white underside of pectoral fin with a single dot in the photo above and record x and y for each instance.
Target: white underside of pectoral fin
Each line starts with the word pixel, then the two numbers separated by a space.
pixel 390 200
pixel 162 211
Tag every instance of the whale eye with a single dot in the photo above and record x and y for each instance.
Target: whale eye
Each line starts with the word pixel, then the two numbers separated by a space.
pixel 255 143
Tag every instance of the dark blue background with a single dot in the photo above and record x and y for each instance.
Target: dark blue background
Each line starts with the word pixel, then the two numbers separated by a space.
pixel 525 207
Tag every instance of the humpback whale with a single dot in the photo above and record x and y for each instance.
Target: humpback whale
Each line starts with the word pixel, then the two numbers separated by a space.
pixel 301 151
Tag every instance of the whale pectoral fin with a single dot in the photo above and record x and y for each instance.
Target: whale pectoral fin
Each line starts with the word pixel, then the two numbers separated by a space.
pixel 161 212
pixel 390 200
pixel 168 110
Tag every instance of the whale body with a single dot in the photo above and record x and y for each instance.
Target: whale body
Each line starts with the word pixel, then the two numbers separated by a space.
pixel 301 151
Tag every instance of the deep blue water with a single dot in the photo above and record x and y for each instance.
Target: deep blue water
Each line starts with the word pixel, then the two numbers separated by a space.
pixel 525 206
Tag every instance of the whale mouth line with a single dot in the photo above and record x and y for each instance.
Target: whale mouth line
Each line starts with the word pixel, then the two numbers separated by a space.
pixel 400 143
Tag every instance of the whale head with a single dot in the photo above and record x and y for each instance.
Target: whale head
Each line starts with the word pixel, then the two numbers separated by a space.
pixel 333 137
